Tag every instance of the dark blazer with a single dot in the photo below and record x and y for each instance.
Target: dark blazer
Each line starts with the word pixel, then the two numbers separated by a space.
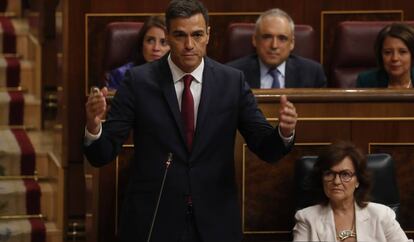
pixel 376 78
pixel 300 72
pixel 146 103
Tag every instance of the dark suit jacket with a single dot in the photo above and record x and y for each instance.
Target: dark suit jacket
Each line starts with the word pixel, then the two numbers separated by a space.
pixel 376 78
pixel 146 102
pixel 300 72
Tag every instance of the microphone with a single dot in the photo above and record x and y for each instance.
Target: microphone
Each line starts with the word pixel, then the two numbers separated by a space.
pixel 167 165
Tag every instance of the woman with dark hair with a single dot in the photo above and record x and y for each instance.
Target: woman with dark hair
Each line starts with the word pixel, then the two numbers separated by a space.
pixel 394 50
pixel 343 213
pixel 152 45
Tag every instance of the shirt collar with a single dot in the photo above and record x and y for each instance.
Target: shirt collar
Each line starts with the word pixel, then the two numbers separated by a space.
pixel 264 70
pixel 177 73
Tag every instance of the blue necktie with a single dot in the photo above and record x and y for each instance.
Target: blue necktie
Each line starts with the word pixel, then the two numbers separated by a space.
pixel 275 75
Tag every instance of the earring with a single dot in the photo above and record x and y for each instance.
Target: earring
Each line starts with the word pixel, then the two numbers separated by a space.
pixel 357 185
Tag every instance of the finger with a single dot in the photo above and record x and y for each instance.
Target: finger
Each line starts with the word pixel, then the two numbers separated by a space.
pixel 94 90
pixel 288 109
pixel 283 100
pixel 287 120
pixel 104 91
pixel 288 112
pixel 95 104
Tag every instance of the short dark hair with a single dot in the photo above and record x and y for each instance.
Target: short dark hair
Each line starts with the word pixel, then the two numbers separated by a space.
pixel 153 21
pixel 400 31
pixel 185 9
pixel 334 155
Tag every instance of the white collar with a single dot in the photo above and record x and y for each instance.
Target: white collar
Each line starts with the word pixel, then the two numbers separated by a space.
pixel 177 73
pixel 265 69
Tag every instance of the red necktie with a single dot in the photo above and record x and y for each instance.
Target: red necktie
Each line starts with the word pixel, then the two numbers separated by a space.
pixel 187 110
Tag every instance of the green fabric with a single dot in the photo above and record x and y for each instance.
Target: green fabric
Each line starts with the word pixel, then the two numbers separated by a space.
pixel 375 78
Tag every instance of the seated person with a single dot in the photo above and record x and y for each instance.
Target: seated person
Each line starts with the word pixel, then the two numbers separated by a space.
pixel 273 65
pixel 152 45
pixel 343 212
pixel 394 48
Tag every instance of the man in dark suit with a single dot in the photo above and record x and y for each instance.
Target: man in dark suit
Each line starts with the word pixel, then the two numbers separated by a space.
pixel 273 65
pixel 199 200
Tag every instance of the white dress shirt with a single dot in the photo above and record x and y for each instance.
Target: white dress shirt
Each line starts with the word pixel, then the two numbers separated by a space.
pixel 178 74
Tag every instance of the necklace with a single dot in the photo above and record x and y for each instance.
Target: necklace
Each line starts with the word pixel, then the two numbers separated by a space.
pixel 406 86
pixel 344 234
pixel 347 233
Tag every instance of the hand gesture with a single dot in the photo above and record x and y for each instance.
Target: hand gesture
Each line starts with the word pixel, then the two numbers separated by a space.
pixel 287 117
pixel 95 109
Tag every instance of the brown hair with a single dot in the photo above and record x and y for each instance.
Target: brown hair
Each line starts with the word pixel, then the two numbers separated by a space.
pixel 400 31
pixel 334 155
pixel 153 21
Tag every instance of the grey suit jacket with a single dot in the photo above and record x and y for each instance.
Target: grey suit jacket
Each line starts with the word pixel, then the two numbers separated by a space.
pixel 300 72
pixel 374 223
pixel 146 103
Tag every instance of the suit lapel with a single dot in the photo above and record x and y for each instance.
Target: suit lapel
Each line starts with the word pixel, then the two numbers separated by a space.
pixel 291 74
pixel 168 89
pixel 362 224
pixel 325 229
pixel 207 95
pixel 255 70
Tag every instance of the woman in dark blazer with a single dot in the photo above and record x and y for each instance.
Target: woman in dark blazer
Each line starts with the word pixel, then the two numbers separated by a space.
pixel 151 46
pixel 394 49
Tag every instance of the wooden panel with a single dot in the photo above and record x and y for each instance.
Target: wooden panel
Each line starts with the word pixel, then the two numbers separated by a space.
pixel 74 70
pixel 266 190
pixel 330 19
pixel 95 43
pixel 403 155
pixel 106 188
pixel 363 116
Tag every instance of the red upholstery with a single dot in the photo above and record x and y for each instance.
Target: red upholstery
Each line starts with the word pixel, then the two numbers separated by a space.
pixel 353 51
pixel 121 38
pixel 239 41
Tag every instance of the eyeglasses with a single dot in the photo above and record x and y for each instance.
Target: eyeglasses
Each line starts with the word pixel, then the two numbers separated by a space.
pixel 344 175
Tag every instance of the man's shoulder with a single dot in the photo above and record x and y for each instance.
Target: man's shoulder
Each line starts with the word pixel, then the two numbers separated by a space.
pixel 154 67
pixel 243 61
pixel 219 66
pixel 303 62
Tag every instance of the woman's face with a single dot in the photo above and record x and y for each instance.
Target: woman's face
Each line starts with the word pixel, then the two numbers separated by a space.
pixel 340 182
pixel 396 58
pixel 155 45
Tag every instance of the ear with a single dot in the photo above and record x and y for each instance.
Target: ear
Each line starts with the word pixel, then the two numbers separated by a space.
pixel 254 40
pixel 292 44
pixel 208 33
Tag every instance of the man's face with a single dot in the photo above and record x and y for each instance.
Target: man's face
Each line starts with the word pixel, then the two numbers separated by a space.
pixel 273 40
pixel 188 39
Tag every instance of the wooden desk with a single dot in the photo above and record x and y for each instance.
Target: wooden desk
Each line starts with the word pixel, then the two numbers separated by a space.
pixel 376 120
